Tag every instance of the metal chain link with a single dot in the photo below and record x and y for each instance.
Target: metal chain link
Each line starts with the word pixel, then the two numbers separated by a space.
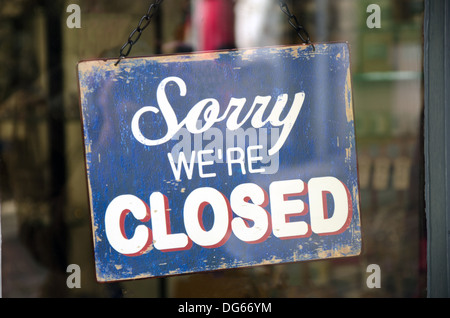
pixel 146 19
pixel 137 32
pixel 292 19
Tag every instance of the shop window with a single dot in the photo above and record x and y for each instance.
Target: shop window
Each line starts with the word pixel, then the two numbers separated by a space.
pixel 45 217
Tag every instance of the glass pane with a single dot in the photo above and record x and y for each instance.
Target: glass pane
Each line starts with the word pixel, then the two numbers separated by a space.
pixel 45 216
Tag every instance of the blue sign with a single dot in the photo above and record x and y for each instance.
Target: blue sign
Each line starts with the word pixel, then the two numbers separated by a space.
pixel 220 160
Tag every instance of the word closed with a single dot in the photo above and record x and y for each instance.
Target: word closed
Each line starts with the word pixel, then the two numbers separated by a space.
pixel 220 160
pixel 247 201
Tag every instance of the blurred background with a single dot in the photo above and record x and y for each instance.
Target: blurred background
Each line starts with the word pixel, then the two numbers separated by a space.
pixel 45 217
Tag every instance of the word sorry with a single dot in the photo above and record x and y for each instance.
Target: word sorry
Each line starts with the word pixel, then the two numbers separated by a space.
pixel 252 224
pixel 210 109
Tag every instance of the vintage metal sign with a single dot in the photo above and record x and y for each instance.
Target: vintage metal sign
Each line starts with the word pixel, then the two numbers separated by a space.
pixel 220 160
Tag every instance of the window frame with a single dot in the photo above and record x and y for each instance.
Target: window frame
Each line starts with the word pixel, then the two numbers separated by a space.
pixel 436 147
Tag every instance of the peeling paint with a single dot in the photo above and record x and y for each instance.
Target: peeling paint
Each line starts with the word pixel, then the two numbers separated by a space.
pixel 348 97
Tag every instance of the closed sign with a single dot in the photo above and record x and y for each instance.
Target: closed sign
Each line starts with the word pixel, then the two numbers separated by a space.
pixel 220 160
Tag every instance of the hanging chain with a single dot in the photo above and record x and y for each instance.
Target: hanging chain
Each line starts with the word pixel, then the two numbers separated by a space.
pixel 146 19
pixel 292 19
pixel 136 33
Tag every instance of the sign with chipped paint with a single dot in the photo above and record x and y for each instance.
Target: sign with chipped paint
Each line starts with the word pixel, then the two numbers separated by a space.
pixel 220 160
